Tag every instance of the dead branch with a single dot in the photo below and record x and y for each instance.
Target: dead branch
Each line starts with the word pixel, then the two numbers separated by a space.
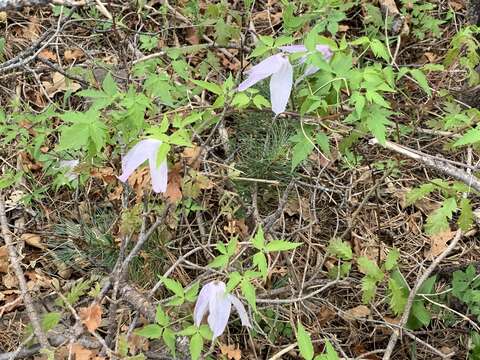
pixel 20 4
pixel 434 163
pixel 17 268
pixel 406 313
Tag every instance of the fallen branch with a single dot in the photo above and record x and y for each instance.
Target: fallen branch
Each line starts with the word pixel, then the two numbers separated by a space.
pixel 434 163
pixel 406 313
pixel 20 4
pixel 17 268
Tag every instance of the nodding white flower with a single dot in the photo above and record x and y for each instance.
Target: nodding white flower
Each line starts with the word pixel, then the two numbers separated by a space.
pixel 146 150
pixel 281 71
pixel 214 298
pixel 69 166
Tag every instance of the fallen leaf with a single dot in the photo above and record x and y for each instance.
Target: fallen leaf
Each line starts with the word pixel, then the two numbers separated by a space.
pixel 456 5
pixel 438 243
pixel 81 353
pixel 60 83
pixel 3 259
pixel 3 16
pixel 192 36
pixel 91 316
pixel 10 281
pixel 174 190
pixel 73 55
pixel 325 314
pixel 231 351
pixel 358 312
pixel 48 54
pixel 192 154
pixel 33 240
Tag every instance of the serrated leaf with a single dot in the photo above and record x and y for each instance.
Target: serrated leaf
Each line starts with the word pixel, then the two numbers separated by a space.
pixel 219 262
pixel 196 346
pixel 174 286
pixel 376 122
pixel 248 290
pixel 304 341
pixel 324 142
pixel 168 337
pixel 379 49
pixel 391 260
pixel 260 261
pixel 205 331
pixel 302 149
pixel 419 316
pixel 214 88
pixel 472 136
pixel 419 193
pixel 280 245
pixel 398 296
pixel 188 331
pixel 109 85
pixel 50 320
pixel 370 268
pixel 465 220
pixel 160 317
pixel 369 287
pixel 151 331
pixel 258 241
pixel 191 294
pixel 420 77
pixel 233 280
pixel 340 249
pixel 438 220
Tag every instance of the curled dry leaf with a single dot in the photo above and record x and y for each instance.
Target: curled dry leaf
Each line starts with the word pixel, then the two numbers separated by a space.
pixel 33 240
pixel 358 312
pixel 231 352
pixel 73 55
pixel 438 243
pixel 91 316
pixel 3 259
pixel 60 83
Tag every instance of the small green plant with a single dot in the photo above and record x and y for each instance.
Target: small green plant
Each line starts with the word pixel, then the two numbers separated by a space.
pixel 305 346
pixel 161 329
pixel 466 288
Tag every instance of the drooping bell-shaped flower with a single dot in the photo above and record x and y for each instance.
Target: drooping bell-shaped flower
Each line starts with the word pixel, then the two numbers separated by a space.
pixel 68 166
pixel 281 71
pixel 281 81
pixel 214 299
pixel 141 152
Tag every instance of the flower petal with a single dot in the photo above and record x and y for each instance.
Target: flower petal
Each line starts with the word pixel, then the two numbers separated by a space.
pixel 69 166
pixel 262 70
pixel 237 304
pixel 219 309
pixel 325 50
pixel 293 48
pixel 158 173
pixel 281 87
pixel 201 305
pixel 136 156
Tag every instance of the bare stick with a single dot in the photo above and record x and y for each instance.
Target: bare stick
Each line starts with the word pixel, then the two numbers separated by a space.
pixel 406 313
pixel 15 262
pixel 434 163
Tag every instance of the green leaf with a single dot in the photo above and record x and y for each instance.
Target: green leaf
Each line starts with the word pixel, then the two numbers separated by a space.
pixel 340 249
pixel 369 287
pixel 280 245
pixel 174 286
pixel 379 49
pixel 151 331
pixel 50 320
pixel 465 220
pixel 205 331
pixel 260 261
pixel 233 280
pixel 472 136
pixel 188 331
pixel 260 102
pixel 370 268
pixel 248 290
pixel 196 346
pixel 419 193
pixel 427 286
pixel 420 77
pixel 303 147
pixel 391 260
pixel 161 318
pixel 330 353
pixel 191 294
pixel 398 296
pixel 376 122
pixel 232 247
pixel 324 142
pixel 219 262
pixel 74 137
pixel 419 316
pixel 438 220
pixel 258 241
pixel 304 342
pixel 168 337
pixel 109 85
pixel 214 88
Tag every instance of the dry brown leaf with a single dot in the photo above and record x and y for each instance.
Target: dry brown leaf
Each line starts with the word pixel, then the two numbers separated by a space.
pixel 48 54
pixel 81 353
pixel 174 190
pixel 106 174
pixel 358 312
pixel 10 281
pixel 3 16
pixel 456 5
pixel 231 352
pixel 438 243
pixel 325 314
pixel 33 240
pixel 73 55
pixel 60 83
pixel 91 316
pixel 3 259
pixel 192 154
pixel 192 36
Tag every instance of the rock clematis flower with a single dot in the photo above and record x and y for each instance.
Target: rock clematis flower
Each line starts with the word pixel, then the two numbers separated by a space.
pixel 281 74
pixel 146 150
pixel 214 299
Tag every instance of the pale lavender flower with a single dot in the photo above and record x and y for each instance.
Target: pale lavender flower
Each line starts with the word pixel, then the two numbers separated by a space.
pixel 281 81
pixel 69 166
pixel 281 71
pixel 146 150
pixel 214 298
